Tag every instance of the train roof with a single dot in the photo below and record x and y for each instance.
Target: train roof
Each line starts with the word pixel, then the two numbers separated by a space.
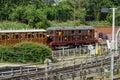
pixel 71 28
pixel 31 30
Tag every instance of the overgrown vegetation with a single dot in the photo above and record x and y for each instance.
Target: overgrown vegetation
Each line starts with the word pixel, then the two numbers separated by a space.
pixel 13 25
pixel 42 13
pixel 25 52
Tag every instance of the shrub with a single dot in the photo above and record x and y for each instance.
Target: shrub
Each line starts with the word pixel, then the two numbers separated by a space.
pixel 25 52
pixel 32 52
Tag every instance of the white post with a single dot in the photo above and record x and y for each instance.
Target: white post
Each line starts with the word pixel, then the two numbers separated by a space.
pixel 113 23
pixel 112 50
pixel 63 50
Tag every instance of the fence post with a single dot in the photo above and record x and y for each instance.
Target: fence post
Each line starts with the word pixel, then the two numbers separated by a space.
pixel 55 76
pixel 48 67
pixel 84 73
pixel 81 71
pixel 21 71
pixel 60 76
pixel 101 68
pixel 117 66
pixel 36 71
pixel 12 73
pixel 73 75
pixel 28 72
pixel 68 52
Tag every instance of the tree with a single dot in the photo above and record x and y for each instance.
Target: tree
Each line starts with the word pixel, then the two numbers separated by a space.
pixel 94 8
pixel 30 15
pixel 64 11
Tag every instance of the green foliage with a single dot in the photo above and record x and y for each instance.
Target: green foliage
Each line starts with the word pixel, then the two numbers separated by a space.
pixel 64 11
pixel 37 13
pixel 80 14
pixel 117 18
pixel 6 52
pixel 67 23
pixel 98 23
pixel 117 22
pixel 33 52
pixel 12 25
pixel 25 52
pixel 29 15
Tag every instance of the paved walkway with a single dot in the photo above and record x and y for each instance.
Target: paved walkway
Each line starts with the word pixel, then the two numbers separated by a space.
pixel 17 65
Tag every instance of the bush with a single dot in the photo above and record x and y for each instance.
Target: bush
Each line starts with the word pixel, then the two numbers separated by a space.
pixel 32 52
pixel 25 52
pixel 6 53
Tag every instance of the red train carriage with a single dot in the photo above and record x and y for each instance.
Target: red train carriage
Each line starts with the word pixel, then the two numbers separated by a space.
pixel 16 36
pixel 71 36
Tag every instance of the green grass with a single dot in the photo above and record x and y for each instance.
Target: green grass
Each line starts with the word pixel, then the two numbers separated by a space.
pixel 79 23
pixel 7 25
pixel 68 23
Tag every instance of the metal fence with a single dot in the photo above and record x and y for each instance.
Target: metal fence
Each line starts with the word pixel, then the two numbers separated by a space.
pixel 73 69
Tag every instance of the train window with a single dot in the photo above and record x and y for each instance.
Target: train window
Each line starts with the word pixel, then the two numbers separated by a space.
pixel 68 32
pixel 20 35
pixel 12 35
pixel 51 32
pixel 65 38
pixel 90 32
pixel 17 36
pixel 40 35
pixel 32 34
pixel 43 36
pixel 0 37
pixel 79 31
pixel 29 35
pixel 3 37
pixel 72 31
pixel 59 39
pixel 85 32
pixel 37 35
pixel 7 36
pixel 59 33
pixel 25 35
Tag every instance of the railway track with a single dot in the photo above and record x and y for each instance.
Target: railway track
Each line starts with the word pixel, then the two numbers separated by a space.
pixel 86 68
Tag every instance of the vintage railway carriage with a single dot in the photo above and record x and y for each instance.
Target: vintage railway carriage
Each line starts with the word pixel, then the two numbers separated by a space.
pixel 70 36
pixel 16 36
